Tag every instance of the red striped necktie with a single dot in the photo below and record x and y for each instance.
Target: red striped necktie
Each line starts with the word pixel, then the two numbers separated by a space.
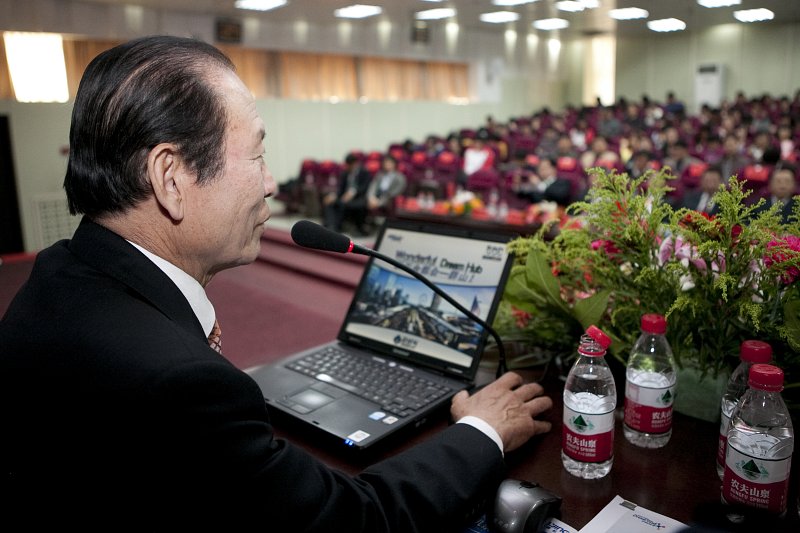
pixel 215 337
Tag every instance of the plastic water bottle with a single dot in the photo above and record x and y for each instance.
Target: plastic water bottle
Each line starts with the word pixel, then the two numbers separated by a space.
pixel 650 386
pixel 758 454
pixel 590 396
pixel 751 352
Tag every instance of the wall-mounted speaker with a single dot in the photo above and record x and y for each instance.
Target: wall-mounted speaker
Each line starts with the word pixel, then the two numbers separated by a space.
pixel 228 31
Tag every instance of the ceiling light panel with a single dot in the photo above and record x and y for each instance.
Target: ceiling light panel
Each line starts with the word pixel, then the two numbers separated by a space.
pixel 572 6
pixel 628 13
pixel 665 25
pixel 719 3
pixel 512 3
pixel 499 17
pixel 259 5
pixel 550 24
pixel 435 14
pixel 357 11
pixel 753 15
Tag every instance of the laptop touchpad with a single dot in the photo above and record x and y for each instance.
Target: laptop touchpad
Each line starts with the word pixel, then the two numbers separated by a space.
pixel 309 400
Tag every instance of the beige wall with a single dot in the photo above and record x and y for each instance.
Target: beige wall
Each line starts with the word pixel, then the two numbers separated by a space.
pixel 757 58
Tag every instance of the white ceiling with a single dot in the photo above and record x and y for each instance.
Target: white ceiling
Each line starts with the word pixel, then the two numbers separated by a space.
pixel 401 11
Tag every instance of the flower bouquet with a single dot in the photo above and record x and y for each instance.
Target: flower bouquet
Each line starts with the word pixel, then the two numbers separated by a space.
pixel 719 280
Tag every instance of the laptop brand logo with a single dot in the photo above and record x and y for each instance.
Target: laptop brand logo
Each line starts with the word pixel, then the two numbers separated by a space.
pixel 406 342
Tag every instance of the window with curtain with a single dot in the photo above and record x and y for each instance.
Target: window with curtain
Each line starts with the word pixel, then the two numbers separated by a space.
pixel 307 76
pixel 78 53
pixel 256 68
pixel 301 75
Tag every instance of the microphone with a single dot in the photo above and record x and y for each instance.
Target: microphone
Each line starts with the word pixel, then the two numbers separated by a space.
pixel 311 235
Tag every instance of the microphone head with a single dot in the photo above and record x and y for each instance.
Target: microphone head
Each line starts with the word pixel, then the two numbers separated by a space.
pixel 312 235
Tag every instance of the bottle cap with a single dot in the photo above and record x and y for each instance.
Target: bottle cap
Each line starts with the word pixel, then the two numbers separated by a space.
pixel 601 338
pixel 756 352
pixel 653 323
pixel 766 377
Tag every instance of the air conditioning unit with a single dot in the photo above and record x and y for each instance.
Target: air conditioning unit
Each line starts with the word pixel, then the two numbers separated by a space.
pixel 709 85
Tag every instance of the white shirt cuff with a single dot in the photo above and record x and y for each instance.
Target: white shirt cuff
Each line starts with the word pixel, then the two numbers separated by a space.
pixel 482 426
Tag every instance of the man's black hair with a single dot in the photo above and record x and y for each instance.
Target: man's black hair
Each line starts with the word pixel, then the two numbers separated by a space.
pixel 131 98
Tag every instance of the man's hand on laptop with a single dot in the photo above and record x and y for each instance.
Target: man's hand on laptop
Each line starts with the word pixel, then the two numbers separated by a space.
pixel 509 406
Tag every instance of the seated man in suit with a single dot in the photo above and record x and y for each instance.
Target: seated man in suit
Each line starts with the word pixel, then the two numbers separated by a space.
pixel 387 184
pixel 545 185
pixel 349 202
pixel 701 199
pixel 781 189
pixel 119 410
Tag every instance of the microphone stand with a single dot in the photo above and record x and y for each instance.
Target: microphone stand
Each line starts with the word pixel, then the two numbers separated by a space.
pixel 501 353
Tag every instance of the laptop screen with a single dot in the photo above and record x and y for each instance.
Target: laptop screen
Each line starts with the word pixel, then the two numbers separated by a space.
pixel 395 313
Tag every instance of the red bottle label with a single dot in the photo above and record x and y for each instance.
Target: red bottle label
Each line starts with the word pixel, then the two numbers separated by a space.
pixel 588 437
pixel 756 482
pixel 648 409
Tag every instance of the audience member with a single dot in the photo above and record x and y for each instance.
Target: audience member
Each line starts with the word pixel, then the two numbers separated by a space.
pixel 639 164
pixel 781 190
pixel 678 158
pixel 702 198
pixel 733 161
pixel 349 202
pixel 545 185
pixel 385 186
pixel 478 155
pixel 598 153
pixel 119 410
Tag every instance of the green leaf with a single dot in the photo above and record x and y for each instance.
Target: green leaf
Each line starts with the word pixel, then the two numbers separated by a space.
pixel 791 318
pixel 518 293
pixel 541 278
pixel 590 310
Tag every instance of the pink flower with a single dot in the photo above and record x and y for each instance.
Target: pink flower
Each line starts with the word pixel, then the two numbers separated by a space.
pixel 606 245
pixel 783 251
pixel 682 251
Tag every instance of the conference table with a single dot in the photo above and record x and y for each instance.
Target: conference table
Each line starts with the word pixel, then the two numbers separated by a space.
pixel 678 480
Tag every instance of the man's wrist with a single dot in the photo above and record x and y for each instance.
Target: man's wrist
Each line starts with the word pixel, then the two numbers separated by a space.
pixel 484 427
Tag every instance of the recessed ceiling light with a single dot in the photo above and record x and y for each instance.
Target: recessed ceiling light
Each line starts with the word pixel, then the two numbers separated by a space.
pixel 512 3
pixel 259 5
pixel 357 11
pixel 719 3
pixel 498 17
pixel 435 14
pixel 753 15
pixel 572 6
pixel 628 13
pixel 550 24
pixel 663 25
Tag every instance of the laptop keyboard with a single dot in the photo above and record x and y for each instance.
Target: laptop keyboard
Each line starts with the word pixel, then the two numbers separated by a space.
pixel 396 388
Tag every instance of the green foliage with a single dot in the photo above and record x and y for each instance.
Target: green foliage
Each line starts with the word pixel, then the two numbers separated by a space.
pixel 718 280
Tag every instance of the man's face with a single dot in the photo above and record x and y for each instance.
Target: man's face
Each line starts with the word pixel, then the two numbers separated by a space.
pixel 782 184
pixel 230 211
pixel 546 169
pixel 710 181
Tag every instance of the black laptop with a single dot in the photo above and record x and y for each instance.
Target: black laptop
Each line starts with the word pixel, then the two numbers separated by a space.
pixel 402 351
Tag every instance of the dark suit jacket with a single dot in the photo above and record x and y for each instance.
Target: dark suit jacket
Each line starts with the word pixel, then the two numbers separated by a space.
pixel 361 183
pixel 784 212
pixel 118 416
pixel 559 191
pixel 691 200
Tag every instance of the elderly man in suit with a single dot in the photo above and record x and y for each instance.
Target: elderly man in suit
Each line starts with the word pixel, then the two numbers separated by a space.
pixel 119 411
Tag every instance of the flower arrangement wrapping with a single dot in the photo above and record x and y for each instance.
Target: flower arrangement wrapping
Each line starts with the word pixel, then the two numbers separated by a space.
pixel 719 279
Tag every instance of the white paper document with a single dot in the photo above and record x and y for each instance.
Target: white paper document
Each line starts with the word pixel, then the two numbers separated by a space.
pixel 622 516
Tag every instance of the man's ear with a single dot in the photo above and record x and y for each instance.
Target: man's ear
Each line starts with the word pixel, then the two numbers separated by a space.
pixel 167 175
